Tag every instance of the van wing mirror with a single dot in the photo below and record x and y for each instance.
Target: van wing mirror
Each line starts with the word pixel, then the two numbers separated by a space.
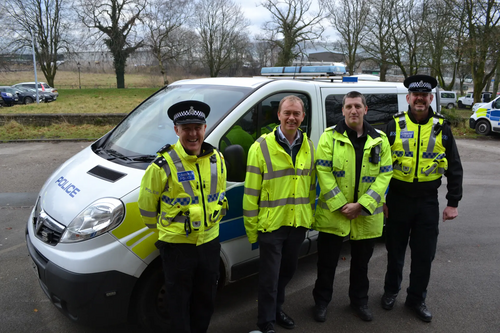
pixel 236 163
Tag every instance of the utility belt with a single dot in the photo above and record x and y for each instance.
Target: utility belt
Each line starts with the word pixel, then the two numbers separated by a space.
pixel 403 162
pixel 190 213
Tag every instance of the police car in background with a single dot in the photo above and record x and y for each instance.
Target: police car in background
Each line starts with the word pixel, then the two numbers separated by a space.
pixel 486 117
pixel 96 260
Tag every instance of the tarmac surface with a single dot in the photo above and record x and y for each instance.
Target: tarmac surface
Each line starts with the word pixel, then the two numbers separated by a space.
pixel 463 295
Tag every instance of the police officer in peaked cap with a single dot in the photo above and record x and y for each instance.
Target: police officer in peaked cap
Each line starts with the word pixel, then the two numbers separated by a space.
pixel 184 199
pixel 423 150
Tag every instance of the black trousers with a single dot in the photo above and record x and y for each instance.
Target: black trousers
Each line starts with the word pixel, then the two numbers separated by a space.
pixel 279 252
pixel 191 277
pixel 329 247
pixel 415 220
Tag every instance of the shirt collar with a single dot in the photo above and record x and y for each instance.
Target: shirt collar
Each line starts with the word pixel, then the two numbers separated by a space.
pixel 282 137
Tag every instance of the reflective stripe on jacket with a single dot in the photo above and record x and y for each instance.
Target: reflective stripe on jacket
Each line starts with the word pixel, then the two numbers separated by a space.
pixel 418 151
pixel 336 167
pixel 277 193
pixel 184 195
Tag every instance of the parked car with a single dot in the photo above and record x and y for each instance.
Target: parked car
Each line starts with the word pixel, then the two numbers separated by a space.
pixel 9 96
pixel 44 96
pixel 2 103
pixel 42 86
pixel 27 95
pixel 448 99
pixel 468 99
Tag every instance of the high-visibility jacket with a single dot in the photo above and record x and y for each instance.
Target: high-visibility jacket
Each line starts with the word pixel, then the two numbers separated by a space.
pixel 336 168
pixel 184 195
pixel 418 152
pixel 277 192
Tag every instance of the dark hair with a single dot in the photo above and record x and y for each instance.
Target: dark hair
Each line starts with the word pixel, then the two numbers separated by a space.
pixel 354 94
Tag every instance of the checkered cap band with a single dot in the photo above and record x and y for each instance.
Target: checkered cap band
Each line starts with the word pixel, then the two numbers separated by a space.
pixel 420 84
pixel 191 113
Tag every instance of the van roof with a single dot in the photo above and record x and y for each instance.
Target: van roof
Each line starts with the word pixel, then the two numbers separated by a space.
pixel 253 82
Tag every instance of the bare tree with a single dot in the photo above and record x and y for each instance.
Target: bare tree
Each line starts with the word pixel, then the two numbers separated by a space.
pixel 44 21
pixel 295 24
pixel 407 42
pixel 221 26
pixel 378 39
pixel 481 48
pixel 444 34
pixel 163 20
pixel 115 20
pixel 349 18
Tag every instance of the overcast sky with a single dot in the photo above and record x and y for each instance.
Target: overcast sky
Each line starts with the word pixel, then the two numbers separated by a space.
pixel 258 15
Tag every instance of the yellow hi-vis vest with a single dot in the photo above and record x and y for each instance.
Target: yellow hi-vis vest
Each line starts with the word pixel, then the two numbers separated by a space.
pixel 336 168
pixel 184 195
pixel 277 193
pixel 418 152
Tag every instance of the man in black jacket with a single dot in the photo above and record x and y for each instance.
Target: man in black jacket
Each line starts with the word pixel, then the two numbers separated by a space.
pixel 423 149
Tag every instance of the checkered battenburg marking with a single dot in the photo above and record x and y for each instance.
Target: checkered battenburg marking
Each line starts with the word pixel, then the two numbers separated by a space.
pixel 324 163
pixel 367 179
pixel 339 173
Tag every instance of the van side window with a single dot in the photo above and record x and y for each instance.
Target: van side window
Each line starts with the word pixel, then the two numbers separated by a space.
pixel 262 118
pixel 381 108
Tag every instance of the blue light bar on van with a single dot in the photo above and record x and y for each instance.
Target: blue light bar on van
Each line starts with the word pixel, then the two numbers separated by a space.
pixel 350 79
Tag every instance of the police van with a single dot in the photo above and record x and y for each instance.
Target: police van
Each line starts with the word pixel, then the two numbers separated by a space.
pixel 486 117
pixel 96 260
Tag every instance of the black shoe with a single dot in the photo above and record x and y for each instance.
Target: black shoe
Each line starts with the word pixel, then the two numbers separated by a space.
pixel 284 320
pixel 320 313
pixel 388 300
pixel 421 310
pixel 269 328
pixel 362 311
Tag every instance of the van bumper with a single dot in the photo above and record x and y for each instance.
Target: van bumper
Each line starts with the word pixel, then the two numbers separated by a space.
pixel 98 299
pixel 472 123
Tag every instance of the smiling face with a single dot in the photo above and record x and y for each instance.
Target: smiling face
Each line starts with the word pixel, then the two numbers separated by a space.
pixel 191 137
pixel 354 111
pixel 291 115
pixel 419 103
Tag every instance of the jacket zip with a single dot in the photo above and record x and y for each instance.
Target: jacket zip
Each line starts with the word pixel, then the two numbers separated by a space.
pixel 418 154
pixel 202 195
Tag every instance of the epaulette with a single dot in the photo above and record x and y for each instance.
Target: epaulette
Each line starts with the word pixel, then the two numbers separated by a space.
pixel 160 161
pixel 399 114
pixel 165 148
pixel 331 128
pixel 439 115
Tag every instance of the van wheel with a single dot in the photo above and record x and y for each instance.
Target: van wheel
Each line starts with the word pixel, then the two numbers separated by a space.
pixel 483 127
pixel 28 100
pixel 151 311
pixel 460 105
pixel 450 106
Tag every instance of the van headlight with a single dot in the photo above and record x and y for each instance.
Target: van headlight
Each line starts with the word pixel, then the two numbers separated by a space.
pixel 101 216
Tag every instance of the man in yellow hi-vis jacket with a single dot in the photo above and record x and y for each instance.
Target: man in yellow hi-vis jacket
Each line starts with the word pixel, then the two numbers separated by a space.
pixel 278 203
pixel 354 166
pixel 183 195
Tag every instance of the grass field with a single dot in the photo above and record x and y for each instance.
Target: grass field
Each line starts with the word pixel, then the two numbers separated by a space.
pixel 69 79
pixel 110 100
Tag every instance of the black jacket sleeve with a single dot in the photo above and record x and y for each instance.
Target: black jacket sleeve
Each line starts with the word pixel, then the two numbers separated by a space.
pixel 455 173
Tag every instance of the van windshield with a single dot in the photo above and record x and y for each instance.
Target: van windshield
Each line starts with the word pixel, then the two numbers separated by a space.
pixel 148 128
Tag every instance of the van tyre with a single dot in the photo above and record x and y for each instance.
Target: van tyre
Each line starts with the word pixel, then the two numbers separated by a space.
pixel 461 105
pixel 450 106
pixel 150 309
pixel 483 127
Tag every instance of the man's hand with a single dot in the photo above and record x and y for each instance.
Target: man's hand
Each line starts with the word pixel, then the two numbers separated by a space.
pixel 386 210
pixel 449 213
pixel 351 210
